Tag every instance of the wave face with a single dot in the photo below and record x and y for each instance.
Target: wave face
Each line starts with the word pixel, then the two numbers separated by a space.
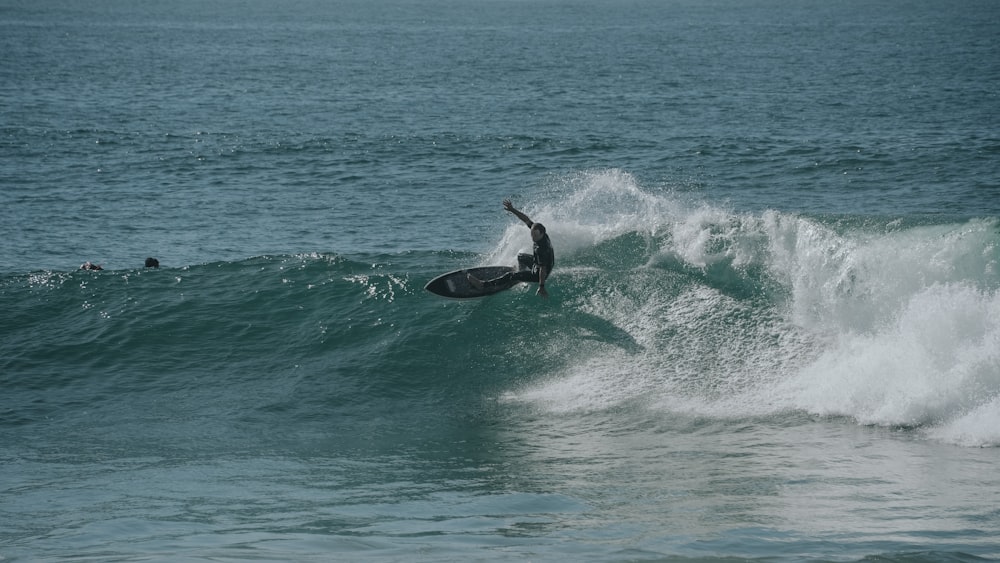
pixel 660 303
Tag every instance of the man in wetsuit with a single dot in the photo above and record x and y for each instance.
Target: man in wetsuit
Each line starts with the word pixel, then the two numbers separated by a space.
pixel 543 258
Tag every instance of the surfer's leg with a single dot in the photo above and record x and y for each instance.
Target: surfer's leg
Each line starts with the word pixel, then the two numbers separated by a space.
pixel 502 280
pixel 489 284
pixel 525 261
pixel 527 276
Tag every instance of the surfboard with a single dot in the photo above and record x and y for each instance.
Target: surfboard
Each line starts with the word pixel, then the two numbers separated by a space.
pixel 456 284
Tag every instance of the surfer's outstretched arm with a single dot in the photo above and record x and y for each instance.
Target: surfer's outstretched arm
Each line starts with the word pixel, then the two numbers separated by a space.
pixel 510 207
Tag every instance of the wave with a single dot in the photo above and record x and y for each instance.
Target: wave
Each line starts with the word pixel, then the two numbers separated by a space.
pixel 660 303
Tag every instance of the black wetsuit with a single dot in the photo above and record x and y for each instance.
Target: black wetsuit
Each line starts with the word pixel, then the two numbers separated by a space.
pixel 542 255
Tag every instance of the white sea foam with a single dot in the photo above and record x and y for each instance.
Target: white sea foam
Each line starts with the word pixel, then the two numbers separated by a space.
pixel 888 325
pixel 939 360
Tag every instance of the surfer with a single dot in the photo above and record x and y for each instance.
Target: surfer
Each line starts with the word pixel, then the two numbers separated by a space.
pixel 542 259
pixel 90 266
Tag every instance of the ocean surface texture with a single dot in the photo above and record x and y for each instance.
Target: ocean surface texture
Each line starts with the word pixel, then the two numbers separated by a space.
pixel 774 325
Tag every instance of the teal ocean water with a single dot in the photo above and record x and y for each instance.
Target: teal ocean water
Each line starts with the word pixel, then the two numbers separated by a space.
pixel 774 325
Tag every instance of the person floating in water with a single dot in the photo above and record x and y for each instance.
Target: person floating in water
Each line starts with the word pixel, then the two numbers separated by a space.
pixel 90 266
pixel 152 262
pixel 539 264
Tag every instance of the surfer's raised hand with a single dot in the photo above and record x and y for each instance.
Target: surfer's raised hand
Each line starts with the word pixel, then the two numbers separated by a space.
pixel 510 207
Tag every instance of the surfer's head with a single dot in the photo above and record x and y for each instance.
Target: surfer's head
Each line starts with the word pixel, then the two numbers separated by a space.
pixel 537 231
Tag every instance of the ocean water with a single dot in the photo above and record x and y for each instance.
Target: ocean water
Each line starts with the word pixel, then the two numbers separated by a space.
pixel 774 328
